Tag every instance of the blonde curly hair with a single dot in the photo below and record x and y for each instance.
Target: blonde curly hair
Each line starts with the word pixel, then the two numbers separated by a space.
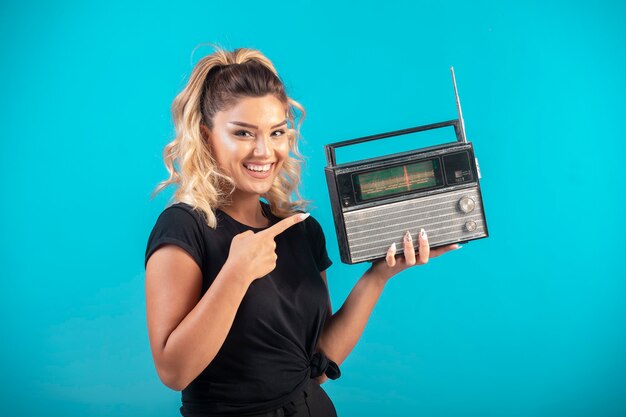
pixel 216 83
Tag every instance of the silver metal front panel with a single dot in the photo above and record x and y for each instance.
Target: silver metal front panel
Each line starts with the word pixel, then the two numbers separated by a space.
pixel 372 230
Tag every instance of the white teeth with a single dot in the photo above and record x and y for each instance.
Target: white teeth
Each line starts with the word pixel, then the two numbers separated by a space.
pixel 258 168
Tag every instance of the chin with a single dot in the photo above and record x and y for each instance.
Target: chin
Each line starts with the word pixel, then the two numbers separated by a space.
pixel 255 188
pixel 266 190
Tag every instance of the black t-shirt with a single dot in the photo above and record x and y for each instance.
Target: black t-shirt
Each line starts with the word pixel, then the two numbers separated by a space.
pixel 269 350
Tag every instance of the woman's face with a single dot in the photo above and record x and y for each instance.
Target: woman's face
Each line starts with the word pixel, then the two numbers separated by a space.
pixel 250 142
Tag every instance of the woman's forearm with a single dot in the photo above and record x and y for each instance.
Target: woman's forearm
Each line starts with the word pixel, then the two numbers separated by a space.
pixel 344 328
pixel 200 335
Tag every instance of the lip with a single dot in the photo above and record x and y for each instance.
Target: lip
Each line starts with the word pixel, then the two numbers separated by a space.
pixel 257 174
pixel 259 162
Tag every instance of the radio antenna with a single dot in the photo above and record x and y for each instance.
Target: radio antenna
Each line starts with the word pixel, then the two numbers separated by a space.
pixel 458 106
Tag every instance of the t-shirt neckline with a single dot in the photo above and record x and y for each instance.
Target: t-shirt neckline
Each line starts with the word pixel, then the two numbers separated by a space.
pixel 266 211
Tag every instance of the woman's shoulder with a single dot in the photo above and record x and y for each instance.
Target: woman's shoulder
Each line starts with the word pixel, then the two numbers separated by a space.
pixel 181 210
pixel 181 214
pixel 179 205
pixel 178 224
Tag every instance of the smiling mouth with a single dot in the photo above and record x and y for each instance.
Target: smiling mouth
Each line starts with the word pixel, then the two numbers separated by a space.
pixel 259 171
pixel 258 168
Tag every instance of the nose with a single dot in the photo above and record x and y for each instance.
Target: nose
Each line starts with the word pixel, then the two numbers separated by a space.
pixel 262 146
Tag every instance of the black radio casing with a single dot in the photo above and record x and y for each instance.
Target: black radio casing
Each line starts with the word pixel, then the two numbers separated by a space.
pixel 449 208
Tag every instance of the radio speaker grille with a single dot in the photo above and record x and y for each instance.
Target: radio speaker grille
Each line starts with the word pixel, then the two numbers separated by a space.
pixel 371 231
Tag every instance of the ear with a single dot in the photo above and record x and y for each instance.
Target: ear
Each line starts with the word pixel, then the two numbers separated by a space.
pixel 206 135
pixel 205 132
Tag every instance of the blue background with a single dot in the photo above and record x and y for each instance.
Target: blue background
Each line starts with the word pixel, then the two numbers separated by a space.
pixel 530 322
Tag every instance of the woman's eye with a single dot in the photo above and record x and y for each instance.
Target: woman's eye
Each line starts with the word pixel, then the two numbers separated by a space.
pixel 280 132
pixel 243 133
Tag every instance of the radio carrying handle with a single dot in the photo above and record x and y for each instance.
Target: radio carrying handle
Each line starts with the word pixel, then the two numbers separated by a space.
pixel 459 130
pixel 330 148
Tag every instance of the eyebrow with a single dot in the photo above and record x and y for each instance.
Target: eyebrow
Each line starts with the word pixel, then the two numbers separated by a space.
pixel 256 127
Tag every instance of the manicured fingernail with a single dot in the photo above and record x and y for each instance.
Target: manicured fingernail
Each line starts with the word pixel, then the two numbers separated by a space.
pixel 393 247
pixel 407 237
pixel 459 246
pixel 304 216
pixel 423 233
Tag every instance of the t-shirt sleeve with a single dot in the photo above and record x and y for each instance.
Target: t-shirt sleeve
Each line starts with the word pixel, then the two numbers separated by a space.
pixel 179 227
pixel 318 244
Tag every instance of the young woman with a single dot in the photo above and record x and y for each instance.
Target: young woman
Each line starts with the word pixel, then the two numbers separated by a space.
pixel 238 311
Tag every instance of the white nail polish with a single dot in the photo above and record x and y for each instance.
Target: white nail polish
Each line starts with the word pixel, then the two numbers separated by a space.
pixel 423 233
pixel 304 215
pixel 408 237
pixel 393 247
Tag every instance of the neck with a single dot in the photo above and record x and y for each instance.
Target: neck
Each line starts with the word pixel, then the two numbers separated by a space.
pixel 246 209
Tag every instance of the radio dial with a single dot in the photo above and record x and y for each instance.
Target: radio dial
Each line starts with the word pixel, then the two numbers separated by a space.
pixel 470 226
pixel 467 205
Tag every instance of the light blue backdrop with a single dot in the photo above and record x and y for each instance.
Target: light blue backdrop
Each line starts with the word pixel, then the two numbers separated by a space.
pixel 530 322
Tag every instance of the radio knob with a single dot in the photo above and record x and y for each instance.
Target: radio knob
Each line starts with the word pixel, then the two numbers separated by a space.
pixel 466 205
pixel 470 226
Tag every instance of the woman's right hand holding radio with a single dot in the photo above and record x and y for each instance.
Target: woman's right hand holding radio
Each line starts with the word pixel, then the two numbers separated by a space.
pixel 393 264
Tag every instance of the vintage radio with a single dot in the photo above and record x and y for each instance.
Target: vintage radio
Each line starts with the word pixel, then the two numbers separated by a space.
pixel 375 201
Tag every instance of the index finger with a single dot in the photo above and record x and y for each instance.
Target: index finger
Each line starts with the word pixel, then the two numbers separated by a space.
pixel 284 224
